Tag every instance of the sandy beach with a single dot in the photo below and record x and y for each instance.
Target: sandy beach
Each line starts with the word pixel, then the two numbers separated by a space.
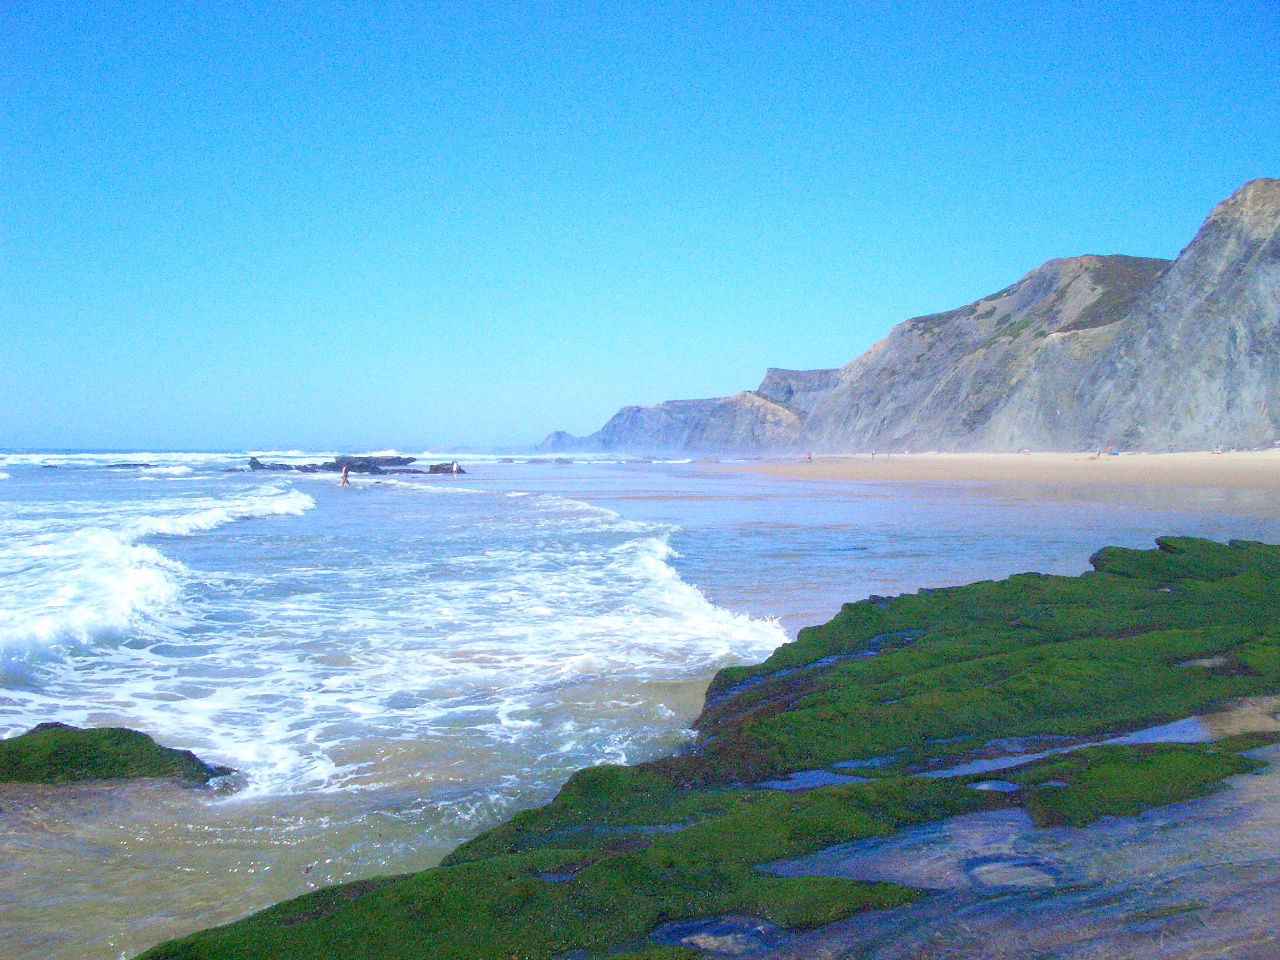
pixel 1255 470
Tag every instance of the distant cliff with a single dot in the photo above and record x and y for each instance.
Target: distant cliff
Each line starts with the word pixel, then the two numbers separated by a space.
pixel 766 419
pixel 1081 352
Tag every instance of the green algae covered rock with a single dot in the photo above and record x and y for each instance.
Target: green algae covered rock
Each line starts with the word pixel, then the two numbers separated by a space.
pixel 60 753
pixel 892 690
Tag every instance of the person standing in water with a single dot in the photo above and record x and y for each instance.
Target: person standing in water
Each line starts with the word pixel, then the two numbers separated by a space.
pixel 346 481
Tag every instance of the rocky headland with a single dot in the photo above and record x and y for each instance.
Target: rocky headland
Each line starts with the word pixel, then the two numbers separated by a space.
pixel 958 759
pixel 1081 353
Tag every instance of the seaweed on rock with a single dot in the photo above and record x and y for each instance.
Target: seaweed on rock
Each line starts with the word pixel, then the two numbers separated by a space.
pixel 60 753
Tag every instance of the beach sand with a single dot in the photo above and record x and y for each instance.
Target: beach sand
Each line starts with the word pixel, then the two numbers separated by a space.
pixel 1253 470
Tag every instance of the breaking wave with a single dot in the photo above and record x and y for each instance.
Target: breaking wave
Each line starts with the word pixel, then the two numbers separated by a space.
pixel 84 576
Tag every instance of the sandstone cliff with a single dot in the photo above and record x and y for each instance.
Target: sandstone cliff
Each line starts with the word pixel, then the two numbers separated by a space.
pixel 1081 352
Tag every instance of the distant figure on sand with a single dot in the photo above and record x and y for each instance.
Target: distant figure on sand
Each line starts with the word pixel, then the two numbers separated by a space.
pixel 346 481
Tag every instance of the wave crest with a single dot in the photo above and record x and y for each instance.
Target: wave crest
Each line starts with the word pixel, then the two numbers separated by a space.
pixel 74 584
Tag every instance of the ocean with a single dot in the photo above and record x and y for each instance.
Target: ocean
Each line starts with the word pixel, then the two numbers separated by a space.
pixel 394 666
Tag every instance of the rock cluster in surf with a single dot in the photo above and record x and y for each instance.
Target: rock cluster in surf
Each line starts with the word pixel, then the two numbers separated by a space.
pixel 364 465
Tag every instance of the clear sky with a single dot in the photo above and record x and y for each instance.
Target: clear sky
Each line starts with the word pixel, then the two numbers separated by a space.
pixel 229 224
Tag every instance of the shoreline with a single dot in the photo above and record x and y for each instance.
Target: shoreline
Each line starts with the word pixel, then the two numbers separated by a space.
pixel 1250 470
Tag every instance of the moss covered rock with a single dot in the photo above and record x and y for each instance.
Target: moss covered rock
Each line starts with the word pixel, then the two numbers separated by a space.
pixel 60 753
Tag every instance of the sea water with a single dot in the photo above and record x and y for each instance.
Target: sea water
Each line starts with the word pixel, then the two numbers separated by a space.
pixel 393 666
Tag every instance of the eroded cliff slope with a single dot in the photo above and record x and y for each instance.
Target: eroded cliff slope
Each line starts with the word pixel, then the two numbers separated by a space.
pixel 1080 353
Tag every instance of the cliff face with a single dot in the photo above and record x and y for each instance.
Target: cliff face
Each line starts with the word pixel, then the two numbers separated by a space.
pixel 744 422
pixel 798 389
pixel 1197 361
pixel 1081 352
pixel 986 376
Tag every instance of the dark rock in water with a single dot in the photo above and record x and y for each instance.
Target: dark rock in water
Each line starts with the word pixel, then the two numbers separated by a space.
pixel 452 468
pixel 126 466
pixel 353 464
pixel 366 464
pixel 256 464
pixel 60 753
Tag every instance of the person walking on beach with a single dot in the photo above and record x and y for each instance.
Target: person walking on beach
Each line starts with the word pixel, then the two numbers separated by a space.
pixel 346 481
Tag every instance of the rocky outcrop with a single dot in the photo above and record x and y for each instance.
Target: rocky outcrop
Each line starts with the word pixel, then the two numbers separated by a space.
pixel 1080 353
pixel 746 421
pixel 561 441
pixel 352 464
pixel 61 753
pixel 870 742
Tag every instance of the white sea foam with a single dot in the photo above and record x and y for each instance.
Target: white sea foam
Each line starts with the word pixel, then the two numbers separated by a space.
pixel 4 476
pixel 72 581
pixel 519 629
pixel 177 470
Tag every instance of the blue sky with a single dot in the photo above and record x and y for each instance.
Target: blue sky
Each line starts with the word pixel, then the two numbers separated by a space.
pixel 413 225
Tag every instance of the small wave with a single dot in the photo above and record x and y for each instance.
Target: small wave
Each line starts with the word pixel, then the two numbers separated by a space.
pixel 445 485
pixel 272 503
pixel 4 476
pixel 76 583
pixel 177 470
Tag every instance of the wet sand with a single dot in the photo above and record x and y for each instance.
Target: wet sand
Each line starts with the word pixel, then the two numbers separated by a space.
pixel 1253 470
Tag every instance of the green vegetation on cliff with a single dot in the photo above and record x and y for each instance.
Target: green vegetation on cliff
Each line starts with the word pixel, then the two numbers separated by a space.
pixel 58 753
pixel 895 687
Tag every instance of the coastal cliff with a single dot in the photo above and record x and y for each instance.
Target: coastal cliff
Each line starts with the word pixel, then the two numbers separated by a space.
pixel 1080 353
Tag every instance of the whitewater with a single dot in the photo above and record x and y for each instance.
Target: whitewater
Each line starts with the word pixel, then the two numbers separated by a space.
pixel 291 629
